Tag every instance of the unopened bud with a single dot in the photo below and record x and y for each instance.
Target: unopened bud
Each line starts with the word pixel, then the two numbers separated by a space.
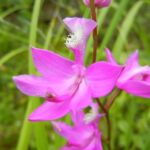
pixel 98 3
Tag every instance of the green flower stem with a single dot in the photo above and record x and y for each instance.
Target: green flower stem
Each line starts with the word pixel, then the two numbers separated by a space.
pixel 40 135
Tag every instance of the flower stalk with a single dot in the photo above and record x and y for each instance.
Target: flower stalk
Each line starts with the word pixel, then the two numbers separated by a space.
pixel 111 100
pixel 95 35
pixel 108 123
pixel 105 109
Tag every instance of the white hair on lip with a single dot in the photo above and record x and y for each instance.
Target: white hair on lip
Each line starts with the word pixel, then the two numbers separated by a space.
pixel 74 38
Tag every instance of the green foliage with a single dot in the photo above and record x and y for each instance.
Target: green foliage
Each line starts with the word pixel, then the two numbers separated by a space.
pixel 123 27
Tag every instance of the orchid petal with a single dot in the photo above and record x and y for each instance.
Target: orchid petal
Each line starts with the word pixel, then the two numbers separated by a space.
pixel 102 77
pixel 32 85
pixel 128 74
pixel 132 61
pixel 110 57
pixel 50 111
pixel 51 65
pixel 72 134
pixel 138 88
pixel 75 23
pixel 82 97
pixel 77 117
pixel 95 144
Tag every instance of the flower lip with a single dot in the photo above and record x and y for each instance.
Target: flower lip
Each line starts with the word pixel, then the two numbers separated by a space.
pixel 75 38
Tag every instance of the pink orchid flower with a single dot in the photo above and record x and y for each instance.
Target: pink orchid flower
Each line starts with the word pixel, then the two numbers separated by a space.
pixel 98 3
pixel 84 134
pixel 134 78
pixel 66 85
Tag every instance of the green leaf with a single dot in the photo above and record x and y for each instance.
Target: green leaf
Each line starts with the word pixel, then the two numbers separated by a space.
pixel 125 28
pixel 112 26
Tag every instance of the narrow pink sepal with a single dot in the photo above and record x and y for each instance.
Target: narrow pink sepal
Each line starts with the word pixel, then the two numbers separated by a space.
pixel 72 134
pixel 32 85
pixel 110 58
pixel 137 88
pixel 50 111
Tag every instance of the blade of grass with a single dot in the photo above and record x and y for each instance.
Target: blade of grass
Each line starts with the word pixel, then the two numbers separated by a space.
pixel 125 28
pixel 40 135
pixel 12 36
pixel 58 35
pixel 8 12
pixel 49 34
pixel 11 54
pixel 113 24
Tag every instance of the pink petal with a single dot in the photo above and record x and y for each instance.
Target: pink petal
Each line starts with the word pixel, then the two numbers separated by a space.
pixel 63 129
pixel 72 134
pixel 110 57
pixel 51 65
pixel 77 117
pixel 138 88
pixel 95 144
pixel 129 73
pixel 82 98
pixel 75 23
pixel 102 77
pixel 32 85
pixel 50 111
pixel 132 61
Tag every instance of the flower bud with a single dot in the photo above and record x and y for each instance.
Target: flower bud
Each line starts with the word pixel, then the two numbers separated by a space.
pixel 98 3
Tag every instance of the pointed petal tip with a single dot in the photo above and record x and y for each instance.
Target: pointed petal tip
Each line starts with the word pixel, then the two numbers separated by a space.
pixel 35 49
pixel 107 51
pixel 136 52
pixel 14 78
pixel 33 117
pixel 133 58
pixel 17 78
pixel 33 120
pixel 109 56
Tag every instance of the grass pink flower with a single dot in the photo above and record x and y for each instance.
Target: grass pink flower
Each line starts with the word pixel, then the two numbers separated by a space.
pixel 66 85
pixel 82 135
pixel 134 78
pixel 98 3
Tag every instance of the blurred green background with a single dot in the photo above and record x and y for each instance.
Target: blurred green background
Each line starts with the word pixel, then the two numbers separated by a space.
pixel 123 27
